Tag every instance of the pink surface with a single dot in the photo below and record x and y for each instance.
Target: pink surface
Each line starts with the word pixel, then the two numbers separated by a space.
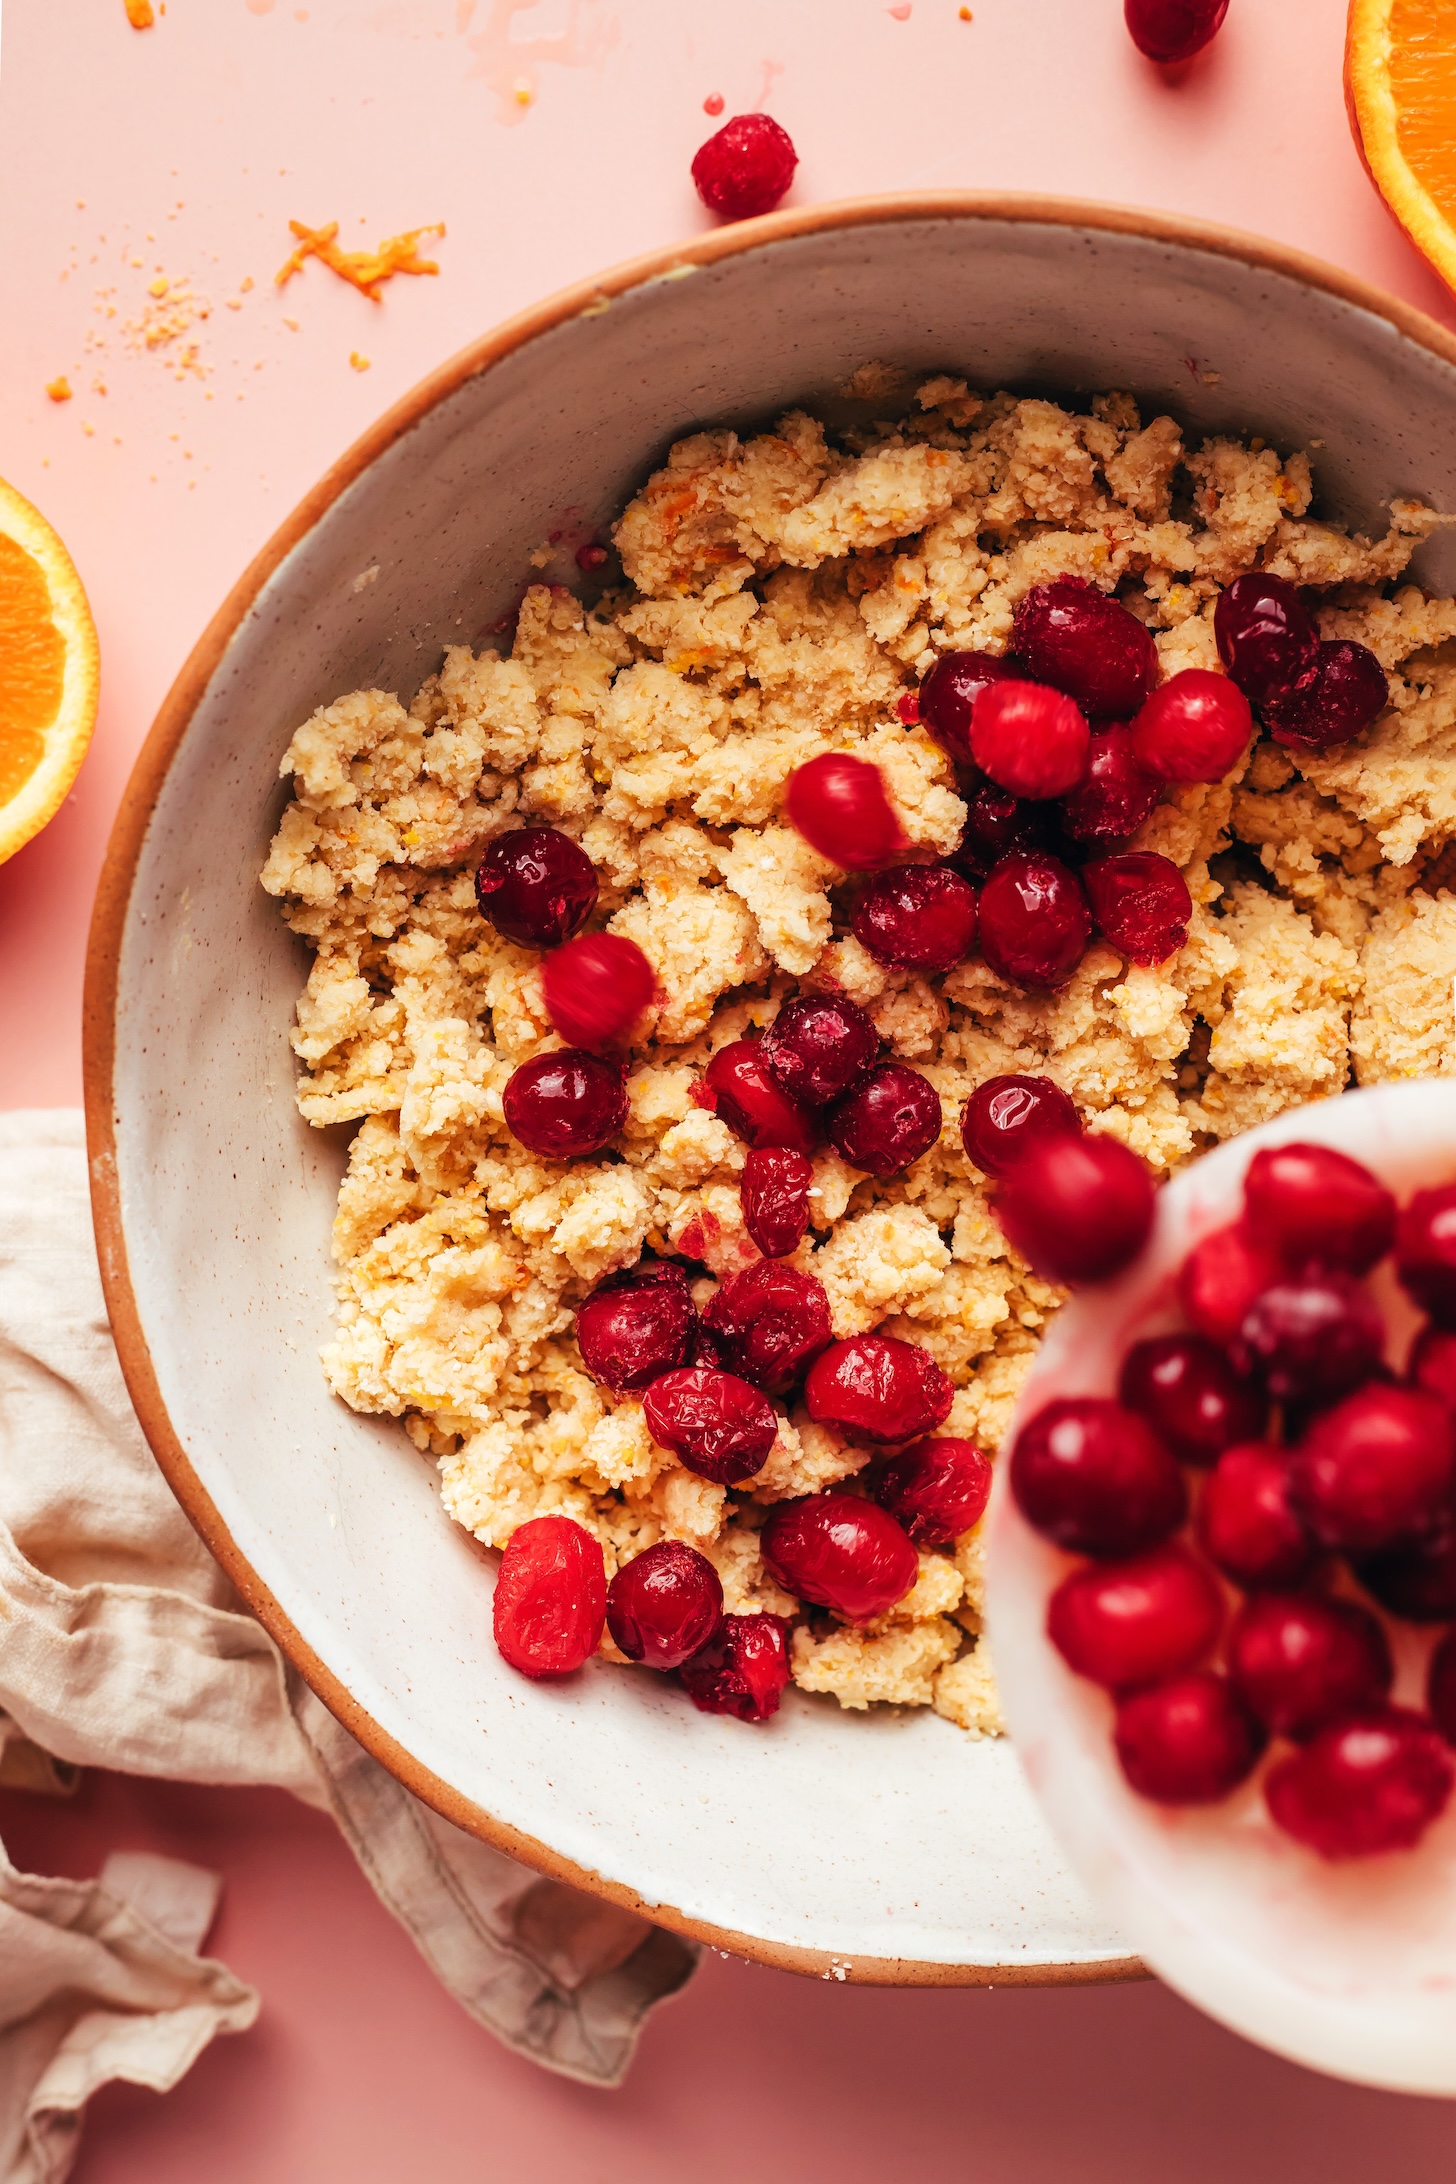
pixel 187 149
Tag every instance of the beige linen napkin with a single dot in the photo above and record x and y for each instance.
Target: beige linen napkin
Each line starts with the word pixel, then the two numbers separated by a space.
pixel 122 1645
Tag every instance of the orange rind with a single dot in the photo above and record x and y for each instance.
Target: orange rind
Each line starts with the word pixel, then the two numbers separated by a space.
pixel 49 672
pixel 1400 87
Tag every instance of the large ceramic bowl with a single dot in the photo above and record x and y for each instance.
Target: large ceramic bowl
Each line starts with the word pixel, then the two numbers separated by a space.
pixel 889 1847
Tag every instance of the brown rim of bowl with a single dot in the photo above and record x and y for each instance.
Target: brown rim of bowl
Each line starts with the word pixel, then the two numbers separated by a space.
pixel 119 870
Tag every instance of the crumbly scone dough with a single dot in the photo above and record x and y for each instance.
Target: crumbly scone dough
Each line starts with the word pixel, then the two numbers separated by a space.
pixel 781 594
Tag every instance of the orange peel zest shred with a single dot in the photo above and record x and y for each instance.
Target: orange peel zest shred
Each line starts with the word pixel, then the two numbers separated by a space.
pixel 365 270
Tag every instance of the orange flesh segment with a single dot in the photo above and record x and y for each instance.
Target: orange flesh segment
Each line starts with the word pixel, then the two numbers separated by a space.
pixel 32 667
pixel 1423 86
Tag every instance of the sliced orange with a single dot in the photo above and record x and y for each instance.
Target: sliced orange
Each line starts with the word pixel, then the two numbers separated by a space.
pixel 1400 85
pixel 50 671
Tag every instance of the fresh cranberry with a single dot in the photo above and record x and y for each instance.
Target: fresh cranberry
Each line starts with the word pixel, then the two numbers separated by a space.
pixel 1376 1469
pixel 596 988
pixel 997 825
pixel 1035 923
pixel 1248 1525
pixel 537 887
pixel 1425 1252
pixel 1079 1209
pixel 1117 795
pixel 767 1323
pixel 1188 1741
pixel 1221 1279
pixel 1006 1116
pixel 1140 902
pixel 550 1597
pixel 907 705
pixel 887 1121
pixel 1344 692
pixel 1373 1782
pixel 739 1086
pixel 1309 1202
pixel 1188 1391
pixel 879 1389
pixel 591 557
pixel 818 1046
pixel 1173 30
pixel 1095 1478
pixel 565 1104
pixel 840 1552
pixel 922 917
pixel 1311 1337
pixel 949 693
pixel 636 1324
pixel 936 1489
pixel 840 806
pixel 1432 1364
pixel 742 1670
pixel 1085 643
pixel 775 1198
pixel 1417 1580
pixel 1030 740
pixel 1266 638
pixel 664 1605
pixel 1135 1622
pixel 746 167
pixel 1195 728
pixel 720 1426
pixel 1299 1662
pixel 1441 1687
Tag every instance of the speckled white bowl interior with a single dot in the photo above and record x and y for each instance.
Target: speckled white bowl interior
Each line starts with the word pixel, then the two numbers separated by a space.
pixel 889 1846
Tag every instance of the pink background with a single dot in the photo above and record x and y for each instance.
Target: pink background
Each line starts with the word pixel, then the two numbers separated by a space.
pixel 183 153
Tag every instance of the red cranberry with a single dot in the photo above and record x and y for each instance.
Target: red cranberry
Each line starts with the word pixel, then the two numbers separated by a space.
pixel 1373 1782
pixel 1117 795
pixel 1376 1469
pixel 1035 923
pixel 936 1489
pixel 878 1389
pixel 907 705
pixel 550 1597
pixel 887 1121
pixel 664 1605
pixel 767 1323
pixel 1432 1364
pixel 565 1104
pixel 922 917
pixel 743 1668
pixel 775 1197
pixel 949 693
pixel 1173 30
pixel 591 557
pixel 1188 1391
pixel 997 825
pixel 739 1086
pixel 840 1552
pixel 1344 692
pixel 1079 1209
pixel 1299 1662
pixel 1030 740
pixel 1127 1623
pixel 636 1324
pixel 1220 1280
pixel 1309 1202
pixel 746 167
pixel 1441 1687
pixel 1266 638
pixel 537 887
pixel 1311 1337
pixel 1416 1580
pixel 1196 728
pixel 1085 643
pixel 1188 1741
pixel 818 1046
pixel 840 806
pixel 720 1426
pixel 1140 902
pixel 596 988
pixel 1248 1525
pixel 1095 1478
pixel 1005 1116
pixel 1425 1252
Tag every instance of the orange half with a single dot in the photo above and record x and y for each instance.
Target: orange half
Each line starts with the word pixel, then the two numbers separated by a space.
pixel 49 671
pixel 1400 85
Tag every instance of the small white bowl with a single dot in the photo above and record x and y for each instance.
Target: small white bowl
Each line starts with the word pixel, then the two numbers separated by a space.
pixel 887 1848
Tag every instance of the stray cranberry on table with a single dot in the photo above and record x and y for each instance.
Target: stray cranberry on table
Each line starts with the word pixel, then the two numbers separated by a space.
pixel 1034 920
pixel 536 886
pixel 1086 644
pixel 917 918
pixel 746 167
pixel 664 1605
pixel 841 1552
pixel 1006 1116
pixel 1030 740
pixel 890 1119
pixel 818 1046
pixel 565 1104
pixel 721 1427
pixel 1079 1208
pixel 636 1324
pixel 1170 31
pixel 842 809
pixel 878 1389
pixel 596 988
pixel 774 1193
pixel 550 1597
pixel 742 1670
pixel 936 1489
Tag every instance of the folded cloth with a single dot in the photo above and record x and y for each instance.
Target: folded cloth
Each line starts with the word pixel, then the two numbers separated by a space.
pixel 122 1645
